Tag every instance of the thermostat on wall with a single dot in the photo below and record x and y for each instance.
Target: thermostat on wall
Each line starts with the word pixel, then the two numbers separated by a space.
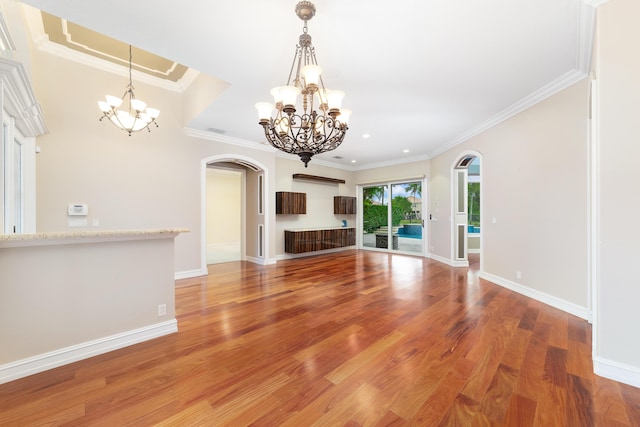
pixel 78 209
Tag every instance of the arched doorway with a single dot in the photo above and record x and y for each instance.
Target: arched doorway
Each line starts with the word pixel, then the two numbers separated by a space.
pixel 254 215
pixel 225 212
pixel 467 210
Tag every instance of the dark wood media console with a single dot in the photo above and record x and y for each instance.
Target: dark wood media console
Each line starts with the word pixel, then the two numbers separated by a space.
pixel 310 240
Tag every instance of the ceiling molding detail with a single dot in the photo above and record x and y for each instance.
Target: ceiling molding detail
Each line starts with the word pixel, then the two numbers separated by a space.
pixel 19 100
pixel 43 43
pixel 586 34
pixel 92 43
pixel 595 3
pixel 543 93
pixel 216 137
pixel 395 162
pixel 6 41
pixel 527 102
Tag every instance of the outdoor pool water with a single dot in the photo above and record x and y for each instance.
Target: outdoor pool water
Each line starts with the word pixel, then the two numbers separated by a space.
pixel 411 231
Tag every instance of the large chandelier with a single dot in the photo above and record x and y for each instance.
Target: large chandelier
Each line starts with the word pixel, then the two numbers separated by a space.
pixel 136 115
pixel 305 131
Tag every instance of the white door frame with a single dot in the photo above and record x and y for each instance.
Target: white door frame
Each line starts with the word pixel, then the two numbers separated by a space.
pixel 464 261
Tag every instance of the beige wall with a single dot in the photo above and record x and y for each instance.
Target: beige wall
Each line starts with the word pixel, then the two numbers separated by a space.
pixel 224 206
pixel 76 295
pixel 534 183
pixel 617 335
pixel 148 180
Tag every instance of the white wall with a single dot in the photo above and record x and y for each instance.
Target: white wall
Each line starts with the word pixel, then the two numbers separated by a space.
pixel 617 335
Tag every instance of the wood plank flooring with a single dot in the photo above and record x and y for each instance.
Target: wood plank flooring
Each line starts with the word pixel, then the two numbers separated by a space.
pixel 353 338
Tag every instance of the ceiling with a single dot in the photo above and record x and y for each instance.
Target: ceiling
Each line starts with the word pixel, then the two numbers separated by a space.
pixel 420 75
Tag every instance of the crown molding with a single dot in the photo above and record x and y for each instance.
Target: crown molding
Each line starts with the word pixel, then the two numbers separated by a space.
pixel 586 33
pixel 594 3
pixel 6 40
pixel 216 137
pixel 319 162
pixel 541 94
pixel 19 99
pixel 395 162
pixel 42 43
pixel 45 45
pixel 586 16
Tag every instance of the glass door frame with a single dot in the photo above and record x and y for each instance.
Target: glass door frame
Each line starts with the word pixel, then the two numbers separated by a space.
pixel 390 235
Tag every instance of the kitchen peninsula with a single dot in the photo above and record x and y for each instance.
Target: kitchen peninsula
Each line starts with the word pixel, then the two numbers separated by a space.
pixel 71 295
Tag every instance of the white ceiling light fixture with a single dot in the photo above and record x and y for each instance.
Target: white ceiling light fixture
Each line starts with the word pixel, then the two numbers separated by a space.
pixel 310 131
pixel 136 117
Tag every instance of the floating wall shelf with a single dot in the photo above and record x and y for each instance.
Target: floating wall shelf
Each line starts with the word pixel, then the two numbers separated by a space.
pixel 318 178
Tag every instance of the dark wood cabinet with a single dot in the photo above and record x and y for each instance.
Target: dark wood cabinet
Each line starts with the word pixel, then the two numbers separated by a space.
pixel 289 203
pixel 344 205
pixel 300 241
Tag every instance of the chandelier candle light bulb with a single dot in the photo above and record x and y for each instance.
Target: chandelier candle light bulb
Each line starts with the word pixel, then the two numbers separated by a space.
pixel 304 130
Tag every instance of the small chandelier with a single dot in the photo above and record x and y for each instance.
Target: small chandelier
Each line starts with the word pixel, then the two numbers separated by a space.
pixel 309 131
pixel 136 117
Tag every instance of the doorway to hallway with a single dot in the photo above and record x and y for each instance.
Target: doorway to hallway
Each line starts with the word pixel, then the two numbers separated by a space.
pixel 224 214
pixel 243 204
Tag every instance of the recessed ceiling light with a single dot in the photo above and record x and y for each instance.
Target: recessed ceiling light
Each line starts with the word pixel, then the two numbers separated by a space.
pixel 406 150
pixel 216 130
pixel 366 135
pixel 353 161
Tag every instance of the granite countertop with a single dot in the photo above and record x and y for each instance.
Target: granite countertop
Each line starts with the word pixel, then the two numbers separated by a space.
pixel 86 236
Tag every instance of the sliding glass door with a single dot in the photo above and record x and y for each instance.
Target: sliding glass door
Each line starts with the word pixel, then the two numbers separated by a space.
pixel 392 217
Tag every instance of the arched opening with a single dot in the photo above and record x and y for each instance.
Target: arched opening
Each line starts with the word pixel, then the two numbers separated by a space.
pixel 467 210
pixel 236 213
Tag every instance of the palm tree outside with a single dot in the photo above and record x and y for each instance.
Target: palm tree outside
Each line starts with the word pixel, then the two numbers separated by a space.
pixel 413 188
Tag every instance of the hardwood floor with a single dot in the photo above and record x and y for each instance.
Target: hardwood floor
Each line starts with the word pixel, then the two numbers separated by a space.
pixel 352 338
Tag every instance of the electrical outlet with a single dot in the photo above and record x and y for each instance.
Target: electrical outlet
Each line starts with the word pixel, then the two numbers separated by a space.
pixel 518 275
pixel 162 310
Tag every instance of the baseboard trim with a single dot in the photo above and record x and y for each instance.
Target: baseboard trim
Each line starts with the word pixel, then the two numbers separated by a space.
pixel 190 273
pixel 261 261
pixel 53 359
pixel 617 371
pixel 558 303
pixel 440 259
pixel 449 262
pixel 306 254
